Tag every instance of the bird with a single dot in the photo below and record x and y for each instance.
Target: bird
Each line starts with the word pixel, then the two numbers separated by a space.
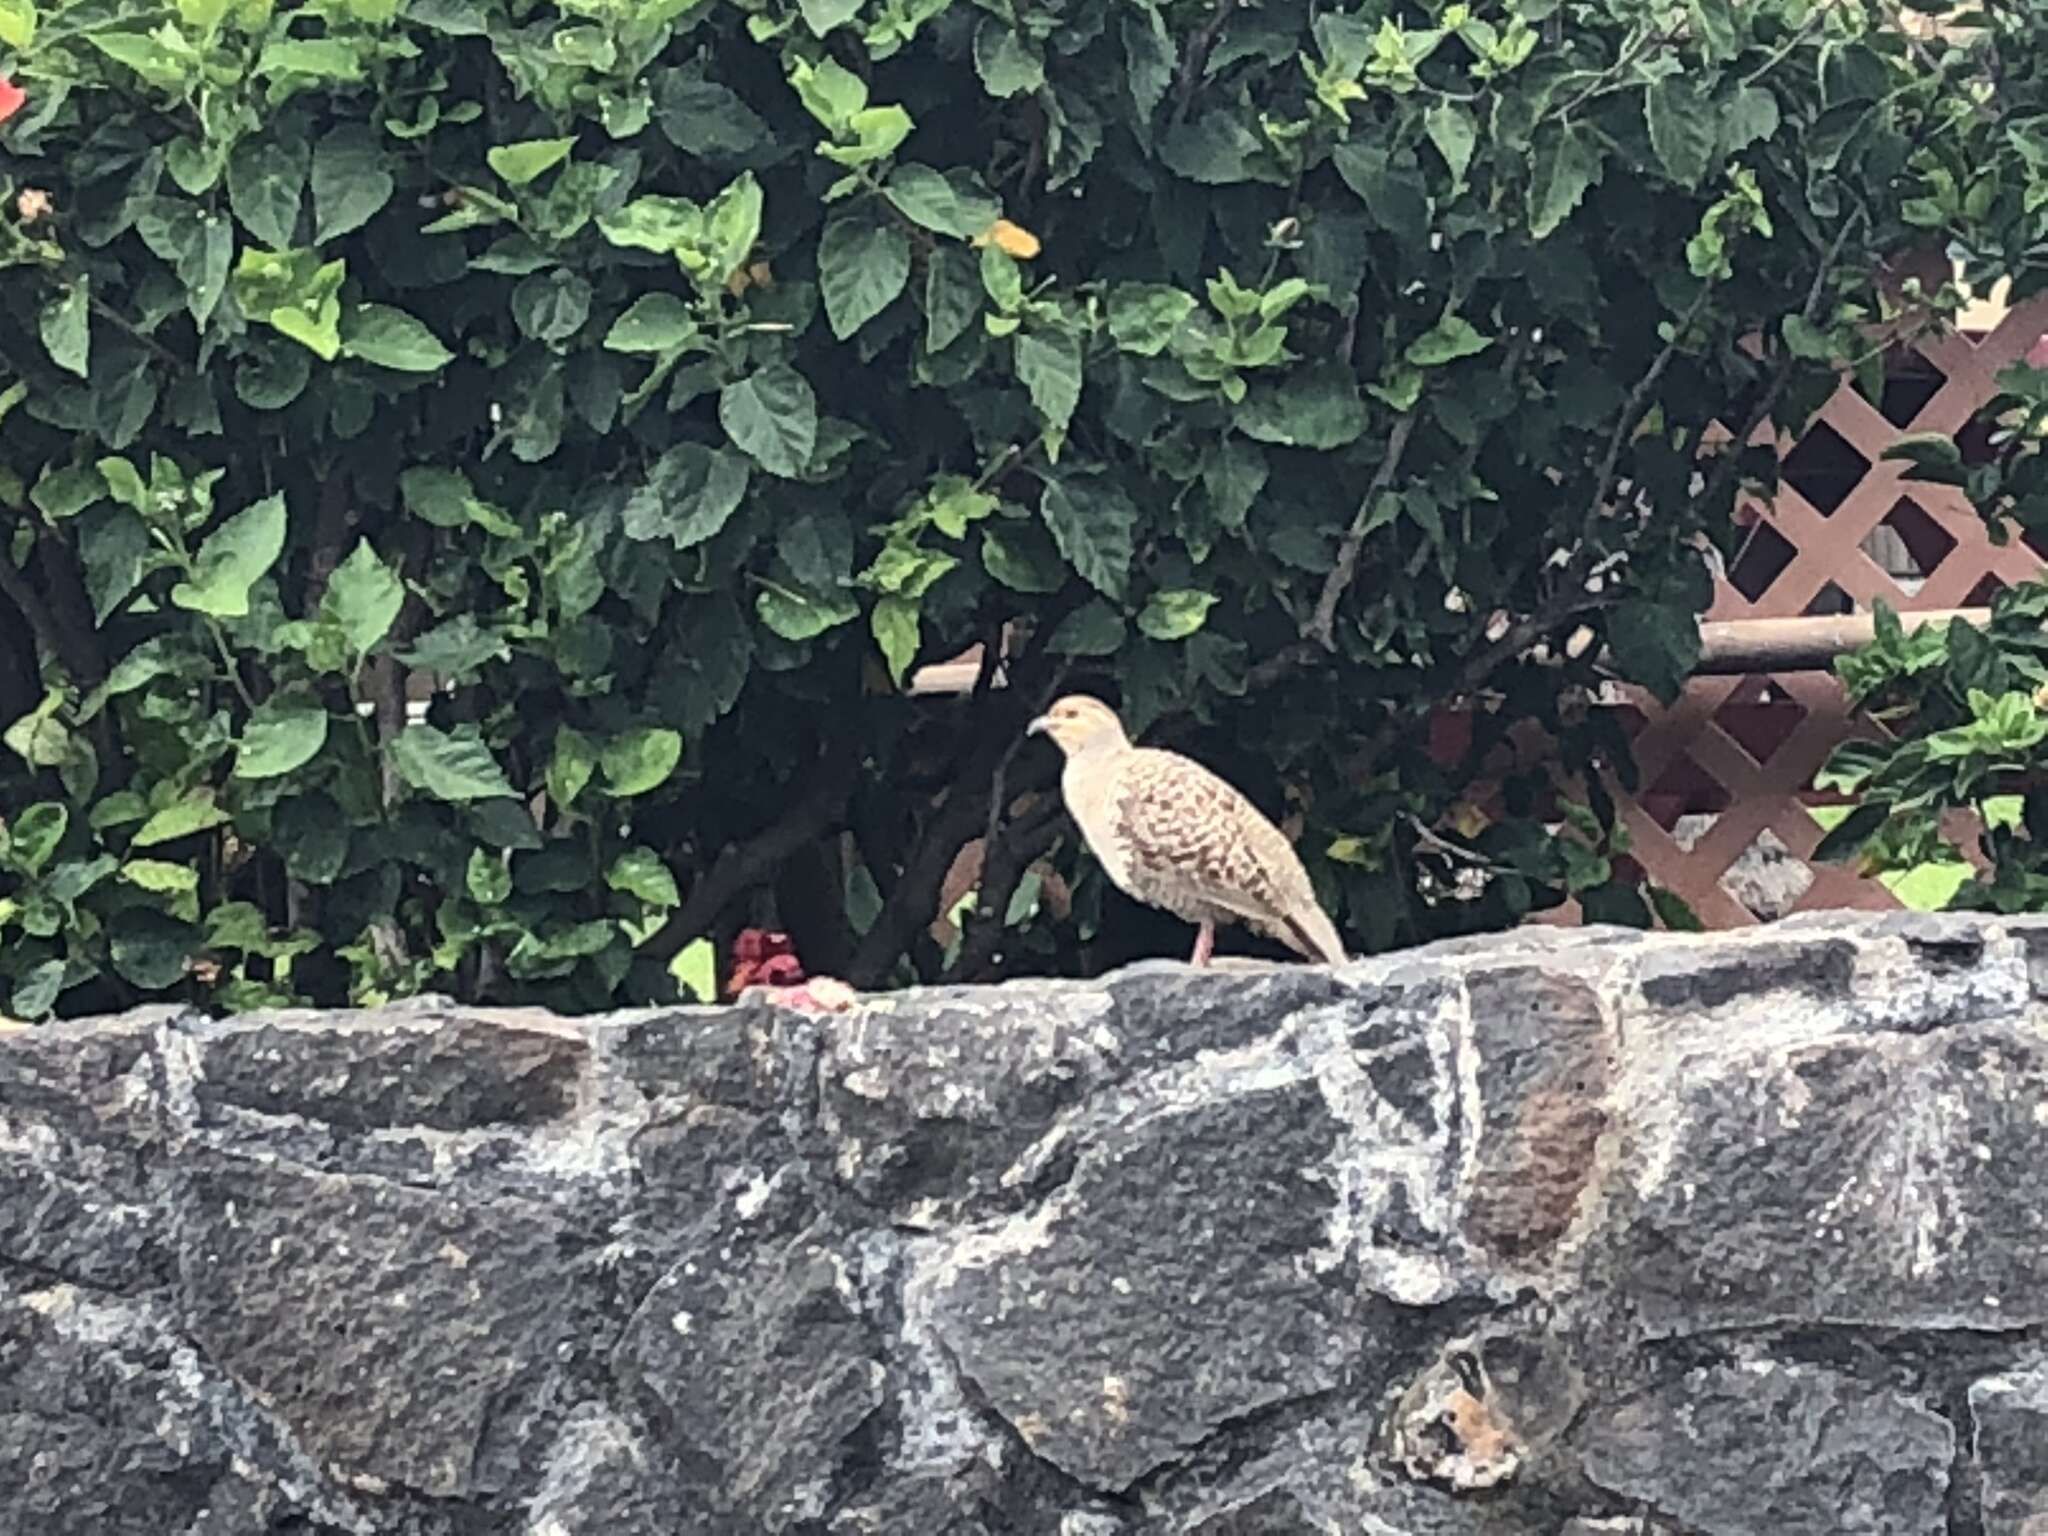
pixel 1171 834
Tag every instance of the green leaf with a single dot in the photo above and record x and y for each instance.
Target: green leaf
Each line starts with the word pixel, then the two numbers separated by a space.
pixel 198 244
pixel 486 878
pixel 517 164
pixel 391 338
pixel 266 185
pixel 149 949
pixel 40 738
pixel 640 872
pixel 1143 317
pixel 1234 475
pixel 280 738
pixel 160 876
pixel 456 648
pixel 66 329
pixel 113 544
pixel 1092 521
pixel 314 58
pixel 1654 643
pixel 32 837
pixel 1018 561
pixel 1149 59
pixel 801 616
pixel 363 598
pixel 862 267
pixel 351 181
pixel 146 55
pixel 448 765
pixel 952 297
pixel 705 119
pixel 830 92
pixel 196 812
pixel 1452 131
pixel 65 490
pixel 551 306
pixel 1313 407
pixel 1451 338
pixel 656 322
pixel 17 24
pixel 821 16
pixel 1093 629
pixel 234 557
pixel 696 970
pixel 1750 118
pixel 1049 366
pixel 1683 128
pixel 637 761
pixel 1216 149
pixel 36 989
pixel 296 293
pixel 948 205
pixel 896 629
pixel 571 766
pixel 1007 68
pixel 689 495
pixel 1565 164
pixel 1807 340
pixel 1856 829
pixel 1175 615
pixel 772 416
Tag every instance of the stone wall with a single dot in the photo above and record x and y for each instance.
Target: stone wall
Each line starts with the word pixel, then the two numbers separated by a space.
pixel 1549 1233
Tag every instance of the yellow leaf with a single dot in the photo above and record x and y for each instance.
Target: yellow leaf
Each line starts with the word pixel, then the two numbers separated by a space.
pixel 1012 239
pixel 1468 819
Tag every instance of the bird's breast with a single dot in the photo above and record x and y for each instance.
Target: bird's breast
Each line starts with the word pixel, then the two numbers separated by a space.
pixel 1089 788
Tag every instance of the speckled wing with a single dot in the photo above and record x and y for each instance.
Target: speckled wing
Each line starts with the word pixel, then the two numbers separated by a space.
pixel 1198 848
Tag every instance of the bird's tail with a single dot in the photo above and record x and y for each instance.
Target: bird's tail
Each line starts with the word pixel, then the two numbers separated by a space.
pixel 1312 933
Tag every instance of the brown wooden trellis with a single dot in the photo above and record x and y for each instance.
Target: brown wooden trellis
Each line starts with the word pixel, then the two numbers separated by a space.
pixel 1726 773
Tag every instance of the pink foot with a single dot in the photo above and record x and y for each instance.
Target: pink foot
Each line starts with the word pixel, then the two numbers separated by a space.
pixel 1205 945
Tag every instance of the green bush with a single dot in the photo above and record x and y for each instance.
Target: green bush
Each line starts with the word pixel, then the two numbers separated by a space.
pixel 667 380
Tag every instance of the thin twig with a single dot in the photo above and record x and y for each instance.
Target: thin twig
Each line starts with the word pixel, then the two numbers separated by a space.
pixel 1322 624
pixel 1730 462
pixel 1632 410
pixel 78 651
pixel 743 867
pixel 1196 59
pixel 1003 867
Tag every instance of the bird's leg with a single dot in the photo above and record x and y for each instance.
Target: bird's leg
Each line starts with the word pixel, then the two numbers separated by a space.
pixel 1205 943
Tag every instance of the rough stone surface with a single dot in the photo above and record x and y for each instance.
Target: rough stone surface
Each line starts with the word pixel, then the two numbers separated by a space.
pixel 1555 1232
pixel 2009 1425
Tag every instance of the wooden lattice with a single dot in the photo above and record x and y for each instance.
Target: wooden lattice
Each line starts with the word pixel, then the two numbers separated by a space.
pixel 1722 818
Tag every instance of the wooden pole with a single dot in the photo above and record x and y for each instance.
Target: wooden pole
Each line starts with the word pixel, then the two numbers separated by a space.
pixel 1728 647
pixel 1732 647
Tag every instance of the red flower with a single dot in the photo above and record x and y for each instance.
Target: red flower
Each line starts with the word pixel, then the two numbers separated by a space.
pixel 762 959
pixel 12 98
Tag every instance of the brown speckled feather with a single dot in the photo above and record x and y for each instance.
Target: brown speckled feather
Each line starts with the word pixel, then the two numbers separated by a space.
pixel 1172 834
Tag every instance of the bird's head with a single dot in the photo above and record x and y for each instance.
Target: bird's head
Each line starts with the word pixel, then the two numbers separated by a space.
pixel 1079 724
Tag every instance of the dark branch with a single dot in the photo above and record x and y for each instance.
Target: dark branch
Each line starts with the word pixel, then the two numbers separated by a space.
pixel 58 611
pixel 914 902
pixel 1322 624
pixel 1005 861
pixel 1730 462
pixel 1196 59
pixel 743 867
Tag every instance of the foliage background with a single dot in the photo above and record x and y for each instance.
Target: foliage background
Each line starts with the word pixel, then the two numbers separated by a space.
pixel 668 379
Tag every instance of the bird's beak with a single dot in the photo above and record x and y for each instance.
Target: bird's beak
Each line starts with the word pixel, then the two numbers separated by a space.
pixel 1039 726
